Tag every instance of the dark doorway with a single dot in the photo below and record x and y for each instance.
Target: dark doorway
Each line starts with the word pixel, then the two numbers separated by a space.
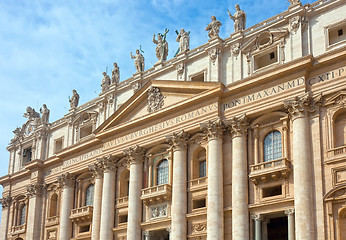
pixel 278 229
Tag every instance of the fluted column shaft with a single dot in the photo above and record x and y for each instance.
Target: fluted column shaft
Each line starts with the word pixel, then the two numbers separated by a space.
pixel 240 214
pixel 97 170
pixel 215 215
pixel 108 197
pixel 5 202
pixel 67 182
pixel 178 142
pixel 303 194
pixel 135 156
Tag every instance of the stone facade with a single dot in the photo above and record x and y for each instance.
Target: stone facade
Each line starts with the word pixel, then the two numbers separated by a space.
pixel 247 142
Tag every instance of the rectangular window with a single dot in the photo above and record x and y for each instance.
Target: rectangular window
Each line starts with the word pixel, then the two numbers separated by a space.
pixel 58 145
pixel 272 191
pixel 265 59
pixel 85 131
pixel 122 218
pixel 83 229
pixel 202 169
pixel 27 154
pixel 336 34
pixel 198 203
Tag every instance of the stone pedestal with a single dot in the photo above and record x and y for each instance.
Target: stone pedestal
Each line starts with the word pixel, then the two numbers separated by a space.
pixel 66 181
pixel 178 142
pixel 240 215
pixel 108 197
pixel 215 216
pixel 135 157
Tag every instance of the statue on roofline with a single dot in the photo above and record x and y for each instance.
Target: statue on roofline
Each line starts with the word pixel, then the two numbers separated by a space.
pixel 139 61
pixel 161 46
pixel 213 27
pixel 239 19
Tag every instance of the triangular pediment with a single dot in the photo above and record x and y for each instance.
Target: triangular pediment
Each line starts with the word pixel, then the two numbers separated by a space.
pixel 154 98
pixel 338 98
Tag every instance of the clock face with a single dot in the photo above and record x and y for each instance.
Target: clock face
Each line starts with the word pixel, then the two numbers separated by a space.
pixel 29 129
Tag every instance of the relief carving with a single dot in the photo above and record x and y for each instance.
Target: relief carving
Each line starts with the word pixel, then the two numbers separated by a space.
pixel 155 99
pixel 235 48
pixel 199 227
pixel 158 212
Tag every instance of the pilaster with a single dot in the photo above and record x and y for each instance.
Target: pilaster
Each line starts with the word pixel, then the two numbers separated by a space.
pixel 5 203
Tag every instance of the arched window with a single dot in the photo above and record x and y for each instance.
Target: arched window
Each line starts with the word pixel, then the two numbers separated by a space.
pixel 340 130
pixel 53 210
pixel 342 223
pixel 272 146
pixel 22 215
pixel 202 164
pixel 89 195
pixel 162 172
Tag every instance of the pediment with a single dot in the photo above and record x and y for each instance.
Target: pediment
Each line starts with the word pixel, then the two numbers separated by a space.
pixel 337 99
pixel 153 98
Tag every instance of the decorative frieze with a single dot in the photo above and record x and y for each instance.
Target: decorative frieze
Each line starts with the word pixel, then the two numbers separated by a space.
pixel 238 125
pixel 178 140
pixel 66 180
pixel 5 201
pixel 34 190
pixel 155 99
pixel 135 154
pixel 213 128
pixel 301 106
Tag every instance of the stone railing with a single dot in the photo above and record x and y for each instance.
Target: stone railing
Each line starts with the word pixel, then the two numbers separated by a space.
pixel 81 214
pixel 122 202
pixel 157 194
pixel 51 221
pixel 198 183
pixel 336 151
pixel 270 171
pixel 18 229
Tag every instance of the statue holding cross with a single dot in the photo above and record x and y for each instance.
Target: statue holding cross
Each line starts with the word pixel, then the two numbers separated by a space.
pixel 161 46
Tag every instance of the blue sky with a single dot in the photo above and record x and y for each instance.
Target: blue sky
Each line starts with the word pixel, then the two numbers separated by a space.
pixel 48 48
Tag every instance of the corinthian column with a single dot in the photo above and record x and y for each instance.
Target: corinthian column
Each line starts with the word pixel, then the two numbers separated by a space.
pixel 5 203
pixel 66 181
pixel 240 214
pixel 97 170
pixel 135 156
pixel 215 220
pixel 108 197
pixel 298 109
pixel 178 141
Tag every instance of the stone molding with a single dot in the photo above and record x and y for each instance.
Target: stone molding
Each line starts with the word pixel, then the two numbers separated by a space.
pixel 178 140
pixel 289 212
pixel 5 201
pixel 135 154
pixel 213 128
pixel 107 163
pixel 66 180
pixel 34 190
pixel 238 126
pixel 301 106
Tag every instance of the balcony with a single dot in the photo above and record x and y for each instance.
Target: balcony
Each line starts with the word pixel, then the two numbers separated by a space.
pixel 18 229
pixel 52 221
pixel 270 171
pixel 122 202
pixel 198 184
pixel 82 214
pixel 157 194
pixel 336 152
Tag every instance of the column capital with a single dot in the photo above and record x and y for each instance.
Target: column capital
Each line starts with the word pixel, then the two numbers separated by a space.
pixel 5 201
pixel 289 212
pixel 96 169
pixel 108 163
pixel 33 190
pixel 238 125
pixel 135 154
pixel 301 106
pixel 178 140
pixel 213 128
pixel 66 180
pixel 257 217
pixel 146 233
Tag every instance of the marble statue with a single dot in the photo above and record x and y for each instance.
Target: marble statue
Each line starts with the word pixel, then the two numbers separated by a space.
pixel 161 46
pixel 139 61
pixel 74 99
pixel 31 113
pixel 106 81
pixel 239 18
pixel 45 114
pixel 115 74
pixel 213 27
pixel 184 40
pixel 294 2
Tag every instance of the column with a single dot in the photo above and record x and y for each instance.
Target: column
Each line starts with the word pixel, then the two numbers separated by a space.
pixel 34 192
pixel 108 197
pixel 298 109
pixel 135 157
pixel 240 215
pixel 66 181
pixel 97 170
pixel 258 226
pixel 178 142
pixel 146 235
pixel 215 217
pixel 5 203
pixel 290 218
pixel 265 222
pixel 169 230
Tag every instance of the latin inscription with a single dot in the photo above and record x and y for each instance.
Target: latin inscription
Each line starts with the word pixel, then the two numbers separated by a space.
pixel 328 76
